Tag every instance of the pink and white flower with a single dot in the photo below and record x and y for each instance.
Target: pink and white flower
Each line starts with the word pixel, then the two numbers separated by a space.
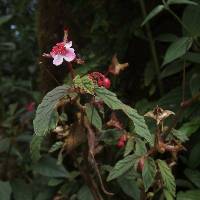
pixel 62 51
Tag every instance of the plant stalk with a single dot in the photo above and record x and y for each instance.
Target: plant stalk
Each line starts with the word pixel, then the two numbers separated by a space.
pixel 152 48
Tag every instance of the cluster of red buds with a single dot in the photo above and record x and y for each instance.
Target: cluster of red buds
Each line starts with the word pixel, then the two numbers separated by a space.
pixel 122 141
pixel 100 79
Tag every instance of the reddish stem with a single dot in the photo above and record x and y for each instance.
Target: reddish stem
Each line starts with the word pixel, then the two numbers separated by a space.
pixel 71 70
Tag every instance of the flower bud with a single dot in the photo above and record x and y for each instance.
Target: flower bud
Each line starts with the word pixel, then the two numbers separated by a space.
pixel 106 83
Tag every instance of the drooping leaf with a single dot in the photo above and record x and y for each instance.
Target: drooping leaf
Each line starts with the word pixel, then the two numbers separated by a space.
pixel 46 114
pixel 172 69
pixel 167 177
pixel 193 176
pixel 129 187
pixel 188 195
pixel 153 13
pixel 46 118
pixel 148 173
pixel 47 166
pixel 177 49
pixel 169 2
pixel 191 17
pixel 5 190
pixel 111 100
pixel 93 116
pixel 122 166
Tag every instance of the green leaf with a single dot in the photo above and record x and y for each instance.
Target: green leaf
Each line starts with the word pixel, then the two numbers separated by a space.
pixel 193 176
pixel 189 195
pixel 111 100
pixel 129 146
pixel 129 187
pixel 177 49
pixel 190 127
pixel 46 114
pixel 169 2
pixel 93 116
pixel 171 69
pixel 167 177
pixel 168 195
pixel 84 194
pixel 4 19
pixel 180 135
pixel 122 167
pixel 35 147
pixel 153 13
pixel 56 146
pixel 148 173
pixel 195 83
pixel 21 190
pixel 47 166
pixel 191 18
pixel 140 148
pixel 5 190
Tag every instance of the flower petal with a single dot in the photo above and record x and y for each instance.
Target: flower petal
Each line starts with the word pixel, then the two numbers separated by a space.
pixel 58 59
pixel 68 44
pixel 70 55
pixel 52 54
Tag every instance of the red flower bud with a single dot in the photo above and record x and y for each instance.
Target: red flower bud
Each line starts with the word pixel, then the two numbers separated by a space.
pixel 122 140
pixel 120 144
pixel 106 83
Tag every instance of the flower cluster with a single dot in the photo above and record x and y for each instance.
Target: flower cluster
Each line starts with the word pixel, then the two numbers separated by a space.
pixel 100 79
